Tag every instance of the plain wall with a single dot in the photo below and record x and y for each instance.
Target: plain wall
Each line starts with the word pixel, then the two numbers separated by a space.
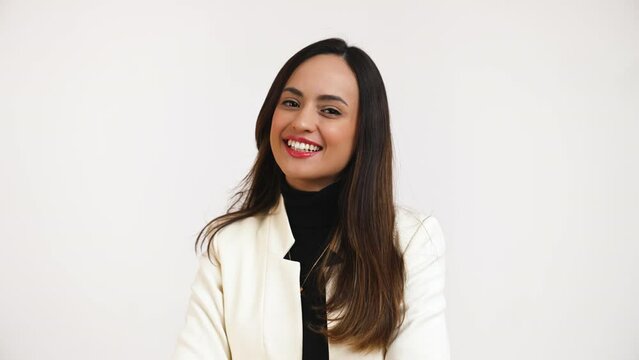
pixel 124 126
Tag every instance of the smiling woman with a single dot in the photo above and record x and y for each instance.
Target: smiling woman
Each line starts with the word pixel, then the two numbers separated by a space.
pixel 314 260
pixel 313 111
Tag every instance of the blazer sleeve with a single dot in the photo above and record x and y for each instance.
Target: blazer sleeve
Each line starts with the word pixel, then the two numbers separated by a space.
pixel 423 334
pixel 203 335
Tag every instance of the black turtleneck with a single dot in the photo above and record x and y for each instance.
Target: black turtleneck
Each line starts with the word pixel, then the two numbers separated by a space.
pixel 312 216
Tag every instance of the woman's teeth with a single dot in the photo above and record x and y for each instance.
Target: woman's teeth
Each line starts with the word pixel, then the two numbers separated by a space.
pixel 298 146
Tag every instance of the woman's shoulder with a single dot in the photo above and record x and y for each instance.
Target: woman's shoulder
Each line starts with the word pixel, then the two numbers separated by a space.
pixel 241 225
pixel 238 234
pixel 415 226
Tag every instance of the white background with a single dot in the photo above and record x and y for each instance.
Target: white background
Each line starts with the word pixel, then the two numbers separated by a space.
pixel 124 126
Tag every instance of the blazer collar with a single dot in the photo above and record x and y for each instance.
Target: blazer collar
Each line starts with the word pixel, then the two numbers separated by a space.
pixel 282 305
pixel 283 332
pixel 280 236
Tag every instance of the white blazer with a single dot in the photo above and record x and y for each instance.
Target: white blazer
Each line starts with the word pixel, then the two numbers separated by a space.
pixel 246 304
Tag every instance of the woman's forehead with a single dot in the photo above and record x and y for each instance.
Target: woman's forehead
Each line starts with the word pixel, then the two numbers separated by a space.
pixel 325 75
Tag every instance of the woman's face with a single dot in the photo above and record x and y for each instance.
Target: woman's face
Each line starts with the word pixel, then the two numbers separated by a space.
pixel 313 129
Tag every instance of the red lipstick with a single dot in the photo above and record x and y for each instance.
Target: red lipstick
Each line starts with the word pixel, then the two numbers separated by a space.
pixel 300 154
pixel 302 140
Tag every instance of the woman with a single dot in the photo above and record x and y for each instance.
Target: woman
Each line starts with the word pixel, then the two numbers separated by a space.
pixel 314 260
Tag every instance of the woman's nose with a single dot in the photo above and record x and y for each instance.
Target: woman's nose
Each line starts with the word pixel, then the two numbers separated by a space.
pixel 305 120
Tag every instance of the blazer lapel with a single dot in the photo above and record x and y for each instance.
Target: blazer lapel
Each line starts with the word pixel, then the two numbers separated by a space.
pixel 282 302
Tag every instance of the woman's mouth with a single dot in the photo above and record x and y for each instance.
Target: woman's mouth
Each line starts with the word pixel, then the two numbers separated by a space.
pixel 301 150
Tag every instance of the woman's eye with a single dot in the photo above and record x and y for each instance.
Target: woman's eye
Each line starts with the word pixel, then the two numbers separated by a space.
pixel 333 111
pixel 286 102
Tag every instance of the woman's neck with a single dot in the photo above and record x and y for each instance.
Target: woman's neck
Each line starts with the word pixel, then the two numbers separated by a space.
pixel 311 208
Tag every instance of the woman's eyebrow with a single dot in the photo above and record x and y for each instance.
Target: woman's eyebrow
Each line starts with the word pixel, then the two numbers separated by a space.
pixel 320 97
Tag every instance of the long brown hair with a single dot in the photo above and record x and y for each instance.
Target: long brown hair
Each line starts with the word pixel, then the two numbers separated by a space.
pixel 369 282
